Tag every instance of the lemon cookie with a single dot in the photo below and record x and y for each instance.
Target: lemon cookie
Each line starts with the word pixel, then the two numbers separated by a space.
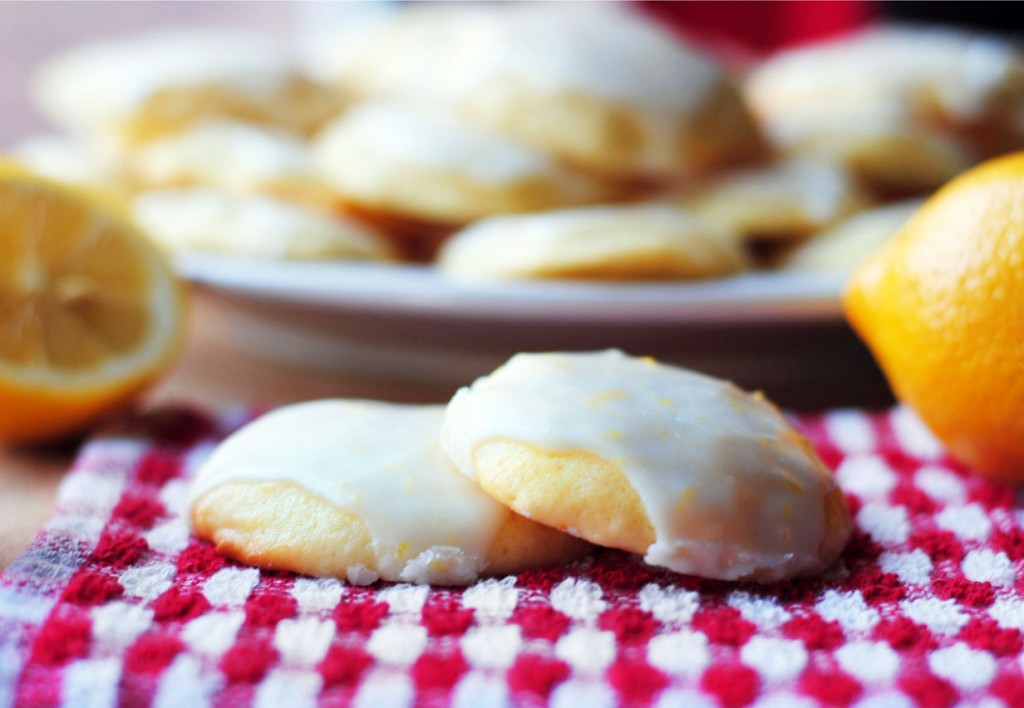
pixel 360 490
pixel 232 156
pixel 405 55
pixel 788 200
pixel 436 168
pixel 257 226
pixel 907 95
pixel 942 76
pixel 880 145
pixel 63 159
pixel 603 243
pixel 695 474
pixel 122 92
pixel 599 86
pixel 850 242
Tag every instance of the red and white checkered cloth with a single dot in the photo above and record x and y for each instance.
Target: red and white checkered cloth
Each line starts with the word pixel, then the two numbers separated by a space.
pixel 115 603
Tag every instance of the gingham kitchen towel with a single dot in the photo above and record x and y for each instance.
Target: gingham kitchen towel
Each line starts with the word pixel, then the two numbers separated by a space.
pixel 115 603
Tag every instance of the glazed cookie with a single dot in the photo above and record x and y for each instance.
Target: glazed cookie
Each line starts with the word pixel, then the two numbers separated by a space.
pixel 846 245
pixel 697 475
pixel 436 168
pixel 64 160
pixel 940 76
pixel 881 146
pixel 565 79
pixel 231 156
pixel 602 243
pixel 788 200
pixel 912 97
pixel 123 92
pixel 360 490
pixel 253 226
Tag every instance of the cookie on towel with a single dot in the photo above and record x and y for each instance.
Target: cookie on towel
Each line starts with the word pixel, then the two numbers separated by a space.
pixel 625 452
pixel 600 87
pixel 127 91
pixel 252 225
pixel 641 242
pixel 436 168
pixel 788 200
pixel 361 490
pixel 232 156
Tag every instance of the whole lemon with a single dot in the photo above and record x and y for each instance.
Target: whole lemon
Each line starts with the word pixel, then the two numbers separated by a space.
pixel 941 306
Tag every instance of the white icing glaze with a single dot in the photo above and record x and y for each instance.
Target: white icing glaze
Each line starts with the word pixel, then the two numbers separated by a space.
pixel 729 487
pixel 250 225
pixel 226 154
pixel 372 141
pixel 91 85
pixel 525 244
pixel 381 463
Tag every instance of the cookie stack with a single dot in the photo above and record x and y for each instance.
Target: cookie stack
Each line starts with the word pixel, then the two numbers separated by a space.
pixel 527 467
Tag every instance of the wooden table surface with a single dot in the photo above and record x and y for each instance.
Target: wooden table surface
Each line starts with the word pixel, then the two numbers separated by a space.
pixel 211 373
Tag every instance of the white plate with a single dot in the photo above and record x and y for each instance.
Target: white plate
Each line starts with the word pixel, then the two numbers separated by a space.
pixel 780 332
pixel 421 289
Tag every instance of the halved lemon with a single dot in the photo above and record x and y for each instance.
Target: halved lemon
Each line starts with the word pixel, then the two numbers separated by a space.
pixel 90 312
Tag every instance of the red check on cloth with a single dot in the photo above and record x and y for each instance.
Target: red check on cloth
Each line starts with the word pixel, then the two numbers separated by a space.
pixel 116 604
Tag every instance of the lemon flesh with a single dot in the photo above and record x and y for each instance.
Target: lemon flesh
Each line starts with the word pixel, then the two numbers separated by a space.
pixel 89 310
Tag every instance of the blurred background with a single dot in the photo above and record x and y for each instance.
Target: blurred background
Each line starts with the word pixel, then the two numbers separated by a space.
pixel 762 27
pixel 31 30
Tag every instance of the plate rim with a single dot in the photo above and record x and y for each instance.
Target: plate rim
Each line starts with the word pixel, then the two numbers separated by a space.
pixel 422 290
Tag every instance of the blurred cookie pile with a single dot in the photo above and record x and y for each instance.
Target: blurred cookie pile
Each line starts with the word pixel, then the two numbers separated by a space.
pixel 528 141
